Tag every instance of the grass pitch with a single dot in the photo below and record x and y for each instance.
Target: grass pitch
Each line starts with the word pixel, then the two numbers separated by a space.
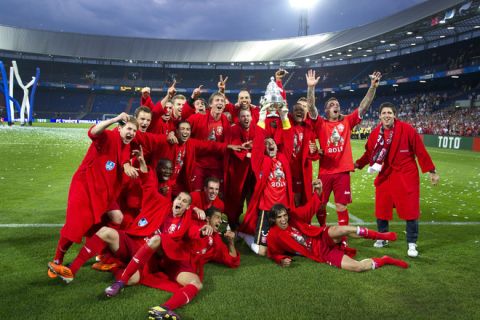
pixel 36 166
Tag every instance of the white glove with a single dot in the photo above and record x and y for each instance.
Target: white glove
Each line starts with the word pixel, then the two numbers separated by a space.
pixel 376 168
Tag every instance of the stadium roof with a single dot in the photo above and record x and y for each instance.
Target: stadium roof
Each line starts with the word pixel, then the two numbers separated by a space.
pixel 364 39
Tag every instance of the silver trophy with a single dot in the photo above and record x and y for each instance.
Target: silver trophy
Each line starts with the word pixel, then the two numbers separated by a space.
pixel 273 97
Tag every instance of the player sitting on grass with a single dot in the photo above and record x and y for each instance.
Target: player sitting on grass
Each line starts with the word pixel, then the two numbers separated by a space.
pixel 182 277
pixel 290 235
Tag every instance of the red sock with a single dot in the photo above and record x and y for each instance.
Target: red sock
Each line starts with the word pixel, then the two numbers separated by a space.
pixel 379 262
pixel 138 261
pixel 342 218
pixel 181 297
pixel 92 247
pixel 322 216
pixel 375 235
pixel 62 247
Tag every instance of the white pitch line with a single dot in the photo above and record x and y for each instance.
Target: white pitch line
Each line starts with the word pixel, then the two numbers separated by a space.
pixel 34 144
pixel 355 219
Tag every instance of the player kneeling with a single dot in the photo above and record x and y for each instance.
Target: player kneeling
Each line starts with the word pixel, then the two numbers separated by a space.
pixel 290 236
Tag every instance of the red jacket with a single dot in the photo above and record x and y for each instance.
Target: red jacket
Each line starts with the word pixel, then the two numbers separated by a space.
pixel 281 245
pixel 406 146
pixel 305 159
pixel 200 131
pixel 97 182
pixel 261 165
pixel 155 208
pixel 238 170
pixel 197 251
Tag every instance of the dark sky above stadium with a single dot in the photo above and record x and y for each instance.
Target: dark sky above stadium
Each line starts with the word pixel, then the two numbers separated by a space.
pixel 193 19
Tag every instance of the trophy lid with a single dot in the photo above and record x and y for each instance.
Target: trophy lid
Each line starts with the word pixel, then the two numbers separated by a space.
pixel 273 94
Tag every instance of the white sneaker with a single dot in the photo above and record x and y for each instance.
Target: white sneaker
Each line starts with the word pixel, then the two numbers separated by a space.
pixel 412 250
pixel 380 243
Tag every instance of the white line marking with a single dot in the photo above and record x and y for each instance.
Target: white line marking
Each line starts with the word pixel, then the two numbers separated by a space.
pixel 34 144
pixel 30 225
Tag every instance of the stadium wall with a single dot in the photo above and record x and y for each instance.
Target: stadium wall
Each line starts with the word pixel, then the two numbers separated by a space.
pixel 452 142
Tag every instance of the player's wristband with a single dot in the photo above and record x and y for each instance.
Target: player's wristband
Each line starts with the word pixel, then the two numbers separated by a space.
pixel 286 124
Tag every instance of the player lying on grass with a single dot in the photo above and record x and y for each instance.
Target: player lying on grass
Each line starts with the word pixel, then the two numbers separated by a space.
pixel 290 235
pixel 96 183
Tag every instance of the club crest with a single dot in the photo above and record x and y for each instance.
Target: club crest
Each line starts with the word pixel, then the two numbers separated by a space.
pixel 110 165
pixel 142 222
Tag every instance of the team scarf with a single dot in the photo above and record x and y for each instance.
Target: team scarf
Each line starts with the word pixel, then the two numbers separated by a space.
pixel 380 151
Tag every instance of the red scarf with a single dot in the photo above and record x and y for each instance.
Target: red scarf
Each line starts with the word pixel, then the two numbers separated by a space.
pixel 382 146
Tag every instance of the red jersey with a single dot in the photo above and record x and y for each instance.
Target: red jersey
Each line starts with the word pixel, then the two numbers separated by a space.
pixel 276 187
pixel 171 224
pixel 201 201
pixel 205 128
pixel 300 238
pixel 165 188
pixel 215 130
pixel 334 139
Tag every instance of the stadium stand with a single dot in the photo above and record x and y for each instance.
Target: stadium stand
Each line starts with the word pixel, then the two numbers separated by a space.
pixel 420 60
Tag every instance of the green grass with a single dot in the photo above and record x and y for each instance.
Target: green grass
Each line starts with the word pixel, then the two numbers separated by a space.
pixel 35 171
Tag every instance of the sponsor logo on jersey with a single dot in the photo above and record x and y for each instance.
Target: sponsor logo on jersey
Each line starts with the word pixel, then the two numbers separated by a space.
pixel 110 165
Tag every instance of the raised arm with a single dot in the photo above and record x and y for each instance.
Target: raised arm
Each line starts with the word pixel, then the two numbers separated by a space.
pixel 311 83
pixel 100 127
pixel 170 93
pixel 367 100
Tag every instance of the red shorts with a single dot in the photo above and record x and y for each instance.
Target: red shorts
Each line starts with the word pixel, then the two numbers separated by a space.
pixel 172 268
pixel 128 246
pixel 200 174
pixel 339 183
pixel 327 250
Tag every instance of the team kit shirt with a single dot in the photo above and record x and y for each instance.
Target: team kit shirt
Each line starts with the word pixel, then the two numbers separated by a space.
pixel 334 138
pixel 216 134
pixel 276 188
pixel 170 225
pixel 202 245
pixel 300 238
